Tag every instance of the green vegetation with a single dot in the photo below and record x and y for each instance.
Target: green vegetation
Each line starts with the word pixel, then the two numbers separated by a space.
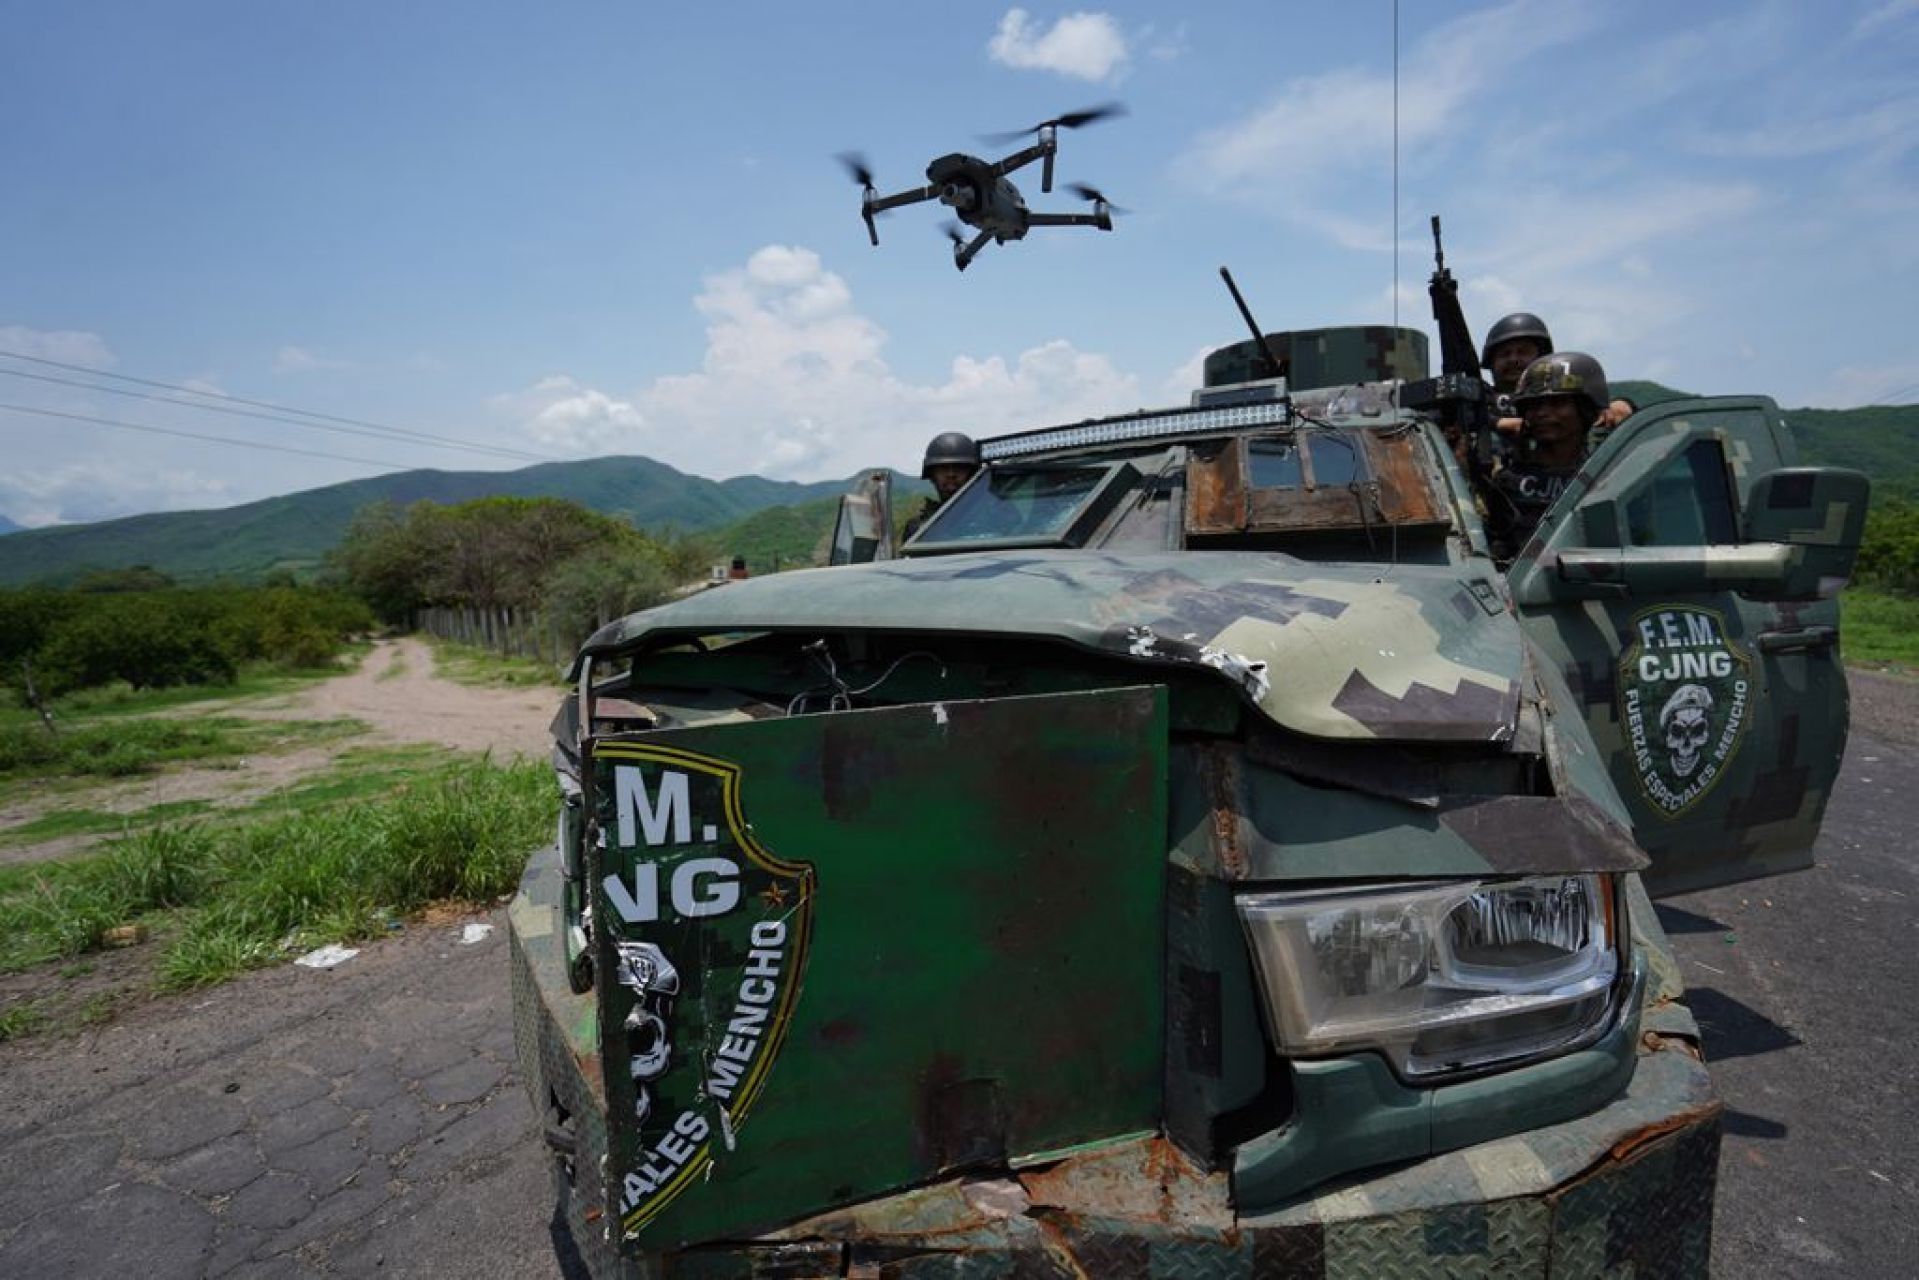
pixel 123 747
pixel 293 533
pixel 1889 557
pixel 62 823
pixel 1880 628
pixel 507 553
pixel 121 700
pixel 20 1019
pixel 157 637
pixel 1881 620
pixel 778 537
pixel 226 897
pixel 1880 440
pixel 469 664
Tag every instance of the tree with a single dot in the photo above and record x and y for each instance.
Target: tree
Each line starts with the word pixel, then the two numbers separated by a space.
pixel 381 560
pixel 604 583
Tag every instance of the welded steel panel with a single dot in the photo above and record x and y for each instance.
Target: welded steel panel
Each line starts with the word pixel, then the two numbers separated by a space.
pixel 840 954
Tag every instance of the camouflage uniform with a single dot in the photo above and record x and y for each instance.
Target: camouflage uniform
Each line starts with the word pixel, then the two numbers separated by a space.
pixel 1520 491
pixel 927 508
pixel 1514 498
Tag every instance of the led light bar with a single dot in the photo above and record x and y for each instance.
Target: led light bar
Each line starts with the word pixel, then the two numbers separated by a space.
pixel 1138 426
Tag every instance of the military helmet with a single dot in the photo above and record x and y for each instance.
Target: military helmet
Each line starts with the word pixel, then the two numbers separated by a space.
pixel 1564 373
pixel 950 449
pixel 1520 324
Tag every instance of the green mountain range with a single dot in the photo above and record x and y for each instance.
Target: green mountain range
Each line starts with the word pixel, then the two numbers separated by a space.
pixel 1880 440
pixel 294 531
pixel 771 522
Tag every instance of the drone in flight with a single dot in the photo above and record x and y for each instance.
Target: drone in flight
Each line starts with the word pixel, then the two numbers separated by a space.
pixel 979 192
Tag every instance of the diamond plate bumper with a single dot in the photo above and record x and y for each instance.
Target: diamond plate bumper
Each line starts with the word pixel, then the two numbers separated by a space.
pixel 1625 1190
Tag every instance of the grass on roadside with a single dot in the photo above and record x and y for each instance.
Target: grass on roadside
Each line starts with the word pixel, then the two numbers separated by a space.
pixel 357 773
pixel 121 747
pixel 120 699
pixel 245 894
pixel 59 824
pixel 1878 627
pixel 21 1019
pixel 470 664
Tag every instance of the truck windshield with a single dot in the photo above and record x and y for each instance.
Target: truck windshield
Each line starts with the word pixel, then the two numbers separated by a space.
pixel 1037 503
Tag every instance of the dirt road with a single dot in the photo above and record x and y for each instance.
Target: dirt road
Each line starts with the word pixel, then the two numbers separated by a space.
pixel 395 691
pixel 398 694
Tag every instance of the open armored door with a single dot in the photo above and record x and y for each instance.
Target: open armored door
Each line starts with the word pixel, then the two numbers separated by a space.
pixel 839 955
pixel 863 530
pixel 1683 587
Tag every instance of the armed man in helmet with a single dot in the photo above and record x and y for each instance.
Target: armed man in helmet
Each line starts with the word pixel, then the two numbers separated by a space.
pixel 951 459
pixel 1561 397
pixel 1513 343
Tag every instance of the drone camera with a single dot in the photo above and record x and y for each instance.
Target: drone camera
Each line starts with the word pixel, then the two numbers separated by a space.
pixel 980 194
pixel 958 195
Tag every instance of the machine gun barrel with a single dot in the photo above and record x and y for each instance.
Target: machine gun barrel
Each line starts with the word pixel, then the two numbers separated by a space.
pixel 1457 354
pixel 1273 362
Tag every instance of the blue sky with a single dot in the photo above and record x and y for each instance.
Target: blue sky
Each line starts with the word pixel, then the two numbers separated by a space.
pixel 572 230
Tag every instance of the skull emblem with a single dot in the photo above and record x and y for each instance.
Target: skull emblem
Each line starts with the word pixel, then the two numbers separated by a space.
pixel 1686 723
pixel 647 1044
pixel 645 971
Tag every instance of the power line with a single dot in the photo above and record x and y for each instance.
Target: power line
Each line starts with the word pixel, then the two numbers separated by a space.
pixel 195 435
pixel 1891 399
pixel 429 442
pixel 257 404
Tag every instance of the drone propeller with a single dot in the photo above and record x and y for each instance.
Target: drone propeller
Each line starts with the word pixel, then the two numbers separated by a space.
pixel 856 165
pixel 1094 194
pixel 863 174
pixel 952 230
pixel 1071 120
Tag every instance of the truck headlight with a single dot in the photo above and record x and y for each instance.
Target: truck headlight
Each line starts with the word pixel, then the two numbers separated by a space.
pixel 1439 977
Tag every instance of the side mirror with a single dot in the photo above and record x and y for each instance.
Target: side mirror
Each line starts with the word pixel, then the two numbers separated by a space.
pixel 864 530
pixel 1819 513
pixel 1799 540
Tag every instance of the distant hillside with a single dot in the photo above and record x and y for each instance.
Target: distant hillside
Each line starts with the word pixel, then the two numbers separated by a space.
pixel 1647 393
pixel 294 531
pixel 1882 441
pixel 795 537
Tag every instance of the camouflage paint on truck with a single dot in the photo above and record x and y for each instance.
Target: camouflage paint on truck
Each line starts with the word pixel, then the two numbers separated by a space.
pixel 919 899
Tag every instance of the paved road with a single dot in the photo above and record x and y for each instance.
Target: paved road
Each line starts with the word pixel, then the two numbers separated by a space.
pixel 1807 991
pixel 361 1120
pixel 366 1120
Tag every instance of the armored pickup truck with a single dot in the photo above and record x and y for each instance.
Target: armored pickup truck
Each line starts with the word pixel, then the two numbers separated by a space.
pixel 1188 854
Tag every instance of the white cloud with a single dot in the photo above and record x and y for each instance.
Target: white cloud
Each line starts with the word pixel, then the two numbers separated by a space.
pixel 589 421
pixel 68 346
pixel 1339 122
pixel 1191 372
pixel 794 384
pixel 1888 14
pixel 78 492
pixel 290 359
pixel 1086 46
pixel 1855 385
pixel 1163 46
